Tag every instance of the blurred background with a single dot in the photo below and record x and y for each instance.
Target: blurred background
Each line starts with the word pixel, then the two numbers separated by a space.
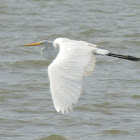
pixel 109 107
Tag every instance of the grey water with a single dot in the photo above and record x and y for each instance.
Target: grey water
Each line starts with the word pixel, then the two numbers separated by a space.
pixel 109 108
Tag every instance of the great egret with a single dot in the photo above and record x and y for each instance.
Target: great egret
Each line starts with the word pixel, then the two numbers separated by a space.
pixel 73 61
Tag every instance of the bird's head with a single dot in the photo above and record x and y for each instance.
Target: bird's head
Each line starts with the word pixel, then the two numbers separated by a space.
pixel 47 50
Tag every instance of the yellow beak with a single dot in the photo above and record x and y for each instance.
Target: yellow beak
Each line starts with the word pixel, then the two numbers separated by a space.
pixel 34 44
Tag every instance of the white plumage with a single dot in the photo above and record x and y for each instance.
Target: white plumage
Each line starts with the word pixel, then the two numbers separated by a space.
pixel 67 71
pixel 74 60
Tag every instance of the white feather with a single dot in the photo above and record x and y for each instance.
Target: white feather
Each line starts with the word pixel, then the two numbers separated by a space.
pixel 74 60
pixel 100 51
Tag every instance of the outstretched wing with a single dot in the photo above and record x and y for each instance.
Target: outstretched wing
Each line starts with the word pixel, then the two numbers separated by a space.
pixel 74 61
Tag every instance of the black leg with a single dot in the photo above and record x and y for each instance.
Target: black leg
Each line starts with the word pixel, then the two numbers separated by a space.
pixel 128 57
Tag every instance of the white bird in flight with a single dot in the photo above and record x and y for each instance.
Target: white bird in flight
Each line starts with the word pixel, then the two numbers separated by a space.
pixel 71 61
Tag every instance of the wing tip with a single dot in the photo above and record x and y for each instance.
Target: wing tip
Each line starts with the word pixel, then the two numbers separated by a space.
pixel 64 110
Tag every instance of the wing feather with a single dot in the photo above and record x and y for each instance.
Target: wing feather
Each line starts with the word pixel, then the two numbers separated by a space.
pixel 66 72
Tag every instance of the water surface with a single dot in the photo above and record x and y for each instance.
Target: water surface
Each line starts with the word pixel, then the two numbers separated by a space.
pixel 109 107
